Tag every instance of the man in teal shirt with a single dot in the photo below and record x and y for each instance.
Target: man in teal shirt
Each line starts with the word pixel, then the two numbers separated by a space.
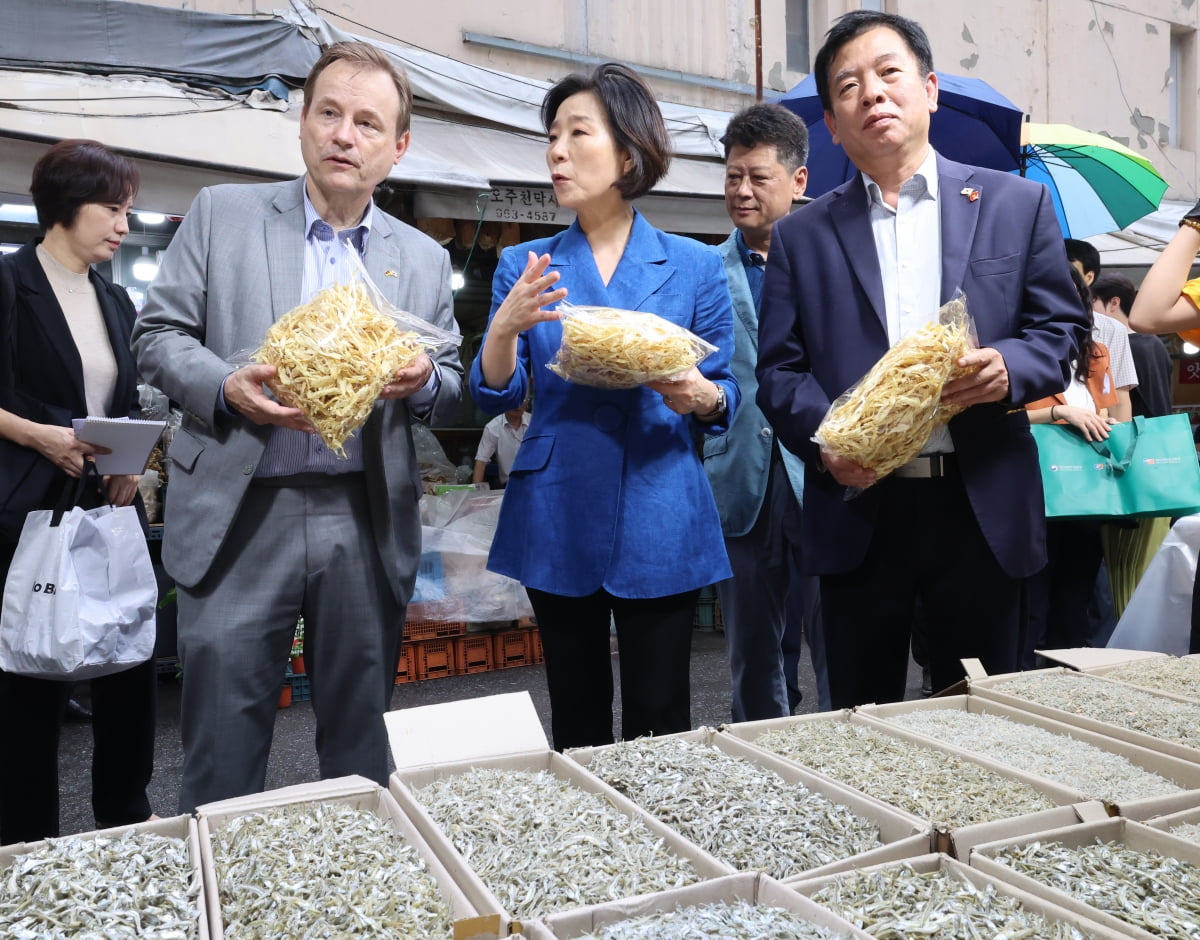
pixel 758 485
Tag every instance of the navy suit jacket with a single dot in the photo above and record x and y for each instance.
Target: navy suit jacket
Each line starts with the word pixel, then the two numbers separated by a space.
pixel 41 376
pixel 823 325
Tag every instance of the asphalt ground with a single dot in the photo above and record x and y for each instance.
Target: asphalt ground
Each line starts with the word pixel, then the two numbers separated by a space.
pixel 293 757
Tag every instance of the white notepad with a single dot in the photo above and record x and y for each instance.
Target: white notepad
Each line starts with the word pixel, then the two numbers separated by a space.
pixel 129 439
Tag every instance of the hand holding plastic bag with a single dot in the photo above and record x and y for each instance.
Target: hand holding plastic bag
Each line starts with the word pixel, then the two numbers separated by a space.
pixel 334 354
pixel 887 418
pixel 609 348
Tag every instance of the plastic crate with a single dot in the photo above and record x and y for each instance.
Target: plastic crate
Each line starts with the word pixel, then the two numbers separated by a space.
pixel 473 654
pixel 301 689
pixel 512 648
pixel 707 615
pixel 535 636
pixel 406 670
pixel 434 658
pixel 433 629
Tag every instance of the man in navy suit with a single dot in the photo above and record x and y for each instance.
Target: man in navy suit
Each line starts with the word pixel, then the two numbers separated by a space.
pixel 959 528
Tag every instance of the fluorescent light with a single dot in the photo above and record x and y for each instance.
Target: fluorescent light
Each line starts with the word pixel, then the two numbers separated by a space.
pixel 457 281
pixel 8 248
pixel 1190 349
pixel 151 218
pixel 17 212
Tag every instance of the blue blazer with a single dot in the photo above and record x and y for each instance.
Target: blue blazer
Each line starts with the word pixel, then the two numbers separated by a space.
pixel 823 325
pixel 739 461
pixel 607 490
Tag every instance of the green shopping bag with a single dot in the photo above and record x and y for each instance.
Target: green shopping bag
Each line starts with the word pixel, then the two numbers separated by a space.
pixel 1146 467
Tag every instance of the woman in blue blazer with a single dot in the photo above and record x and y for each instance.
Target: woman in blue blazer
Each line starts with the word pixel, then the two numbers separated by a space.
pixel 64 353
pixel 608 512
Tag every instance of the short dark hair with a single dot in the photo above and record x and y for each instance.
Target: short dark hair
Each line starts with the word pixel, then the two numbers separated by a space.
pixel 852 25
pixel 75 172
pixel 371 58
pixel 773 125
pixel 634 118
pixel 1110 284
pixel 1083 252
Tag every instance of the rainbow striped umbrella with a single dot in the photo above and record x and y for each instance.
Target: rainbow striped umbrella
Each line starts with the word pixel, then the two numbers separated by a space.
pixel 1097 184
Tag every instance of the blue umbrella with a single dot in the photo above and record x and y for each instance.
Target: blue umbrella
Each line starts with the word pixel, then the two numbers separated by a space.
pixel 973 124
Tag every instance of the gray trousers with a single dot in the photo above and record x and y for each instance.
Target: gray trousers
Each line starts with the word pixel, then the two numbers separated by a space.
pixel 292 550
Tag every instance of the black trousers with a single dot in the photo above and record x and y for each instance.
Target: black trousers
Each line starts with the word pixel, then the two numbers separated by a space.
pixel 655 638
pixel 32 710
pixel 928 553
pixel 1060 595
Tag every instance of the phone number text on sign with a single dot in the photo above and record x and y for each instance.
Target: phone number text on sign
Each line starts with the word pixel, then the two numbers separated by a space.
pixel 518 204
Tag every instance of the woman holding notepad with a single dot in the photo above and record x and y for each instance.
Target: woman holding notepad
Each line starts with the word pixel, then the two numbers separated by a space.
pixel 64 354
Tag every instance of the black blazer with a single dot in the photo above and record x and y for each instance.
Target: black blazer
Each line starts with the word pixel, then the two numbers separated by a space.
pixel 41 376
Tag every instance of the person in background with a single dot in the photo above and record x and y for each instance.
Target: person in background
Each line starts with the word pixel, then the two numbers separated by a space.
pixel 1114 334
pixel 961 527
pixel 1169 302
pixel 1060 594
pixel 1113 296
pixel 608 516
pixel 758 484
pixel 64 354
pixel 501 438
pixel 263 522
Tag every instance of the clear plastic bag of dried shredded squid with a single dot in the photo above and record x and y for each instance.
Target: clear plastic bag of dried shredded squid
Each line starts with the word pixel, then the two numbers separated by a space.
pixel 610 348
pixel 335 353
pixel 886 419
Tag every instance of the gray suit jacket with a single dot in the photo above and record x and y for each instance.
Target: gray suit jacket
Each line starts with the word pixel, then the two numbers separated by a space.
pixel 737 462
pixel 234 267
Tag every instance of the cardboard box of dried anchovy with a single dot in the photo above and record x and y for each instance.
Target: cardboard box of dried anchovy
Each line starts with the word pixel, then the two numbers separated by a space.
pixel 908 772
pixel 1129 779
pixel 1096 703
pixel 294 832
pixel 1184 823
pixel 935 889
pixel 528 831
pixel 1176 677
pixel 737 905
pixel 151 872
pixel 741 805
pixel 1119 873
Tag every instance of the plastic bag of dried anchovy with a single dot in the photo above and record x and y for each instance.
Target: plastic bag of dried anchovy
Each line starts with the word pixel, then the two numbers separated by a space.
pixel 887 417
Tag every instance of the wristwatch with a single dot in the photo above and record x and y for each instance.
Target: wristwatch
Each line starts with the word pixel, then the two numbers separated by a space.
pixel 721 406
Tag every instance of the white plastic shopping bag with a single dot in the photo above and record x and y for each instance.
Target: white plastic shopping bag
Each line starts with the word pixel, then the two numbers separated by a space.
pixel 80 597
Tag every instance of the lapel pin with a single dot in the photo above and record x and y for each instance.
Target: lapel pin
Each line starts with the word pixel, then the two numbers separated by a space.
pixel 389 273
pixel 971 194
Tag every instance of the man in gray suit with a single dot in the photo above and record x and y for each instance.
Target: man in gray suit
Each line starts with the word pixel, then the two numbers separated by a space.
pixel 263 522
pixel 758 485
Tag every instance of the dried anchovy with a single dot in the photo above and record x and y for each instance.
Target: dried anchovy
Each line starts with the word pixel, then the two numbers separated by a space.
pixel 542 844
pixel 1189 831
pixel 735 919
pixel 896 903
pixel 324 870
pixel 1098 774
pixel 1165 673
pixel 133 885
pixel 1156 893
pixel 745 815
pixel 1115 704
pixel 944 788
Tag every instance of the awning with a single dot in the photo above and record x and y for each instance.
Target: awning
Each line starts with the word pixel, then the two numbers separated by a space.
pixel 183 139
